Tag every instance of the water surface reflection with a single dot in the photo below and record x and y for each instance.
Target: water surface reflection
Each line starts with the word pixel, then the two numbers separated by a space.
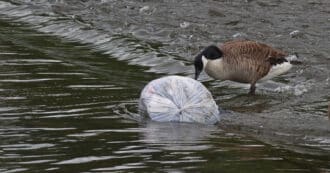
pixel 69 103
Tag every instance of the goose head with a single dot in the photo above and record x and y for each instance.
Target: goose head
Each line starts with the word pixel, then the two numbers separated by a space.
pixel 209 53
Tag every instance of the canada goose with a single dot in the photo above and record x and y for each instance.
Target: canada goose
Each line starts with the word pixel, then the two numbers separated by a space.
pixel 242 61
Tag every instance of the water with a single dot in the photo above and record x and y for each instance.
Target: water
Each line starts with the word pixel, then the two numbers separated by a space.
pixel 72 71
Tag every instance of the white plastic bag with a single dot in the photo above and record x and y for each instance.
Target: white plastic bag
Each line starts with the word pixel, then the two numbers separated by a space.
pixel 178 99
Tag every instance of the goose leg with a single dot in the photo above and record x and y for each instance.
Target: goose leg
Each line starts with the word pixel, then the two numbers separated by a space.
pixel 252 89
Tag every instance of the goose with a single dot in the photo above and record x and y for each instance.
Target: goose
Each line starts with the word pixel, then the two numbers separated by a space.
pixel 242 61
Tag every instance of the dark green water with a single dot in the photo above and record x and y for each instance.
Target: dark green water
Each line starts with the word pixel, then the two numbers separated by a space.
pixel 67 106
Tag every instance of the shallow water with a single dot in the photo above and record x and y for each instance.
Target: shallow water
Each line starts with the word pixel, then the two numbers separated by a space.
pixel 72 71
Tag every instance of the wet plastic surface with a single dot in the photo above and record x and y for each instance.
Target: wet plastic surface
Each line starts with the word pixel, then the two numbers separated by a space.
pixel 178 99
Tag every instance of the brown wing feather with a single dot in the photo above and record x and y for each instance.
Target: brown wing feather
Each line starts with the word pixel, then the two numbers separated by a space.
pixel 250 57
pixel 259 51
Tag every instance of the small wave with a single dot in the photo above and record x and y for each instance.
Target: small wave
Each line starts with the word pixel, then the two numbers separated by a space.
pixel 86 159
pixel 122 47
pixel 123 167
pixel 15 147
pixel 29 80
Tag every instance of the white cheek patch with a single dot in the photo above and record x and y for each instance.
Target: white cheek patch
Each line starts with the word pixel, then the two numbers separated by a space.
pixel 204 60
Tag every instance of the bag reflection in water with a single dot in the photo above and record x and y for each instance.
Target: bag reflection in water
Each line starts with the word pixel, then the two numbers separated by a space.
pixel 178 99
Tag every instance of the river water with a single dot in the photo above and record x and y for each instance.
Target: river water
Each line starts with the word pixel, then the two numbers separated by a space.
pixel 72 71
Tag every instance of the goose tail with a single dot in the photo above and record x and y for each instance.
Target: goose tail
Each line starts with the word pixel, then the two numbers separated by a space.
pixel 281 66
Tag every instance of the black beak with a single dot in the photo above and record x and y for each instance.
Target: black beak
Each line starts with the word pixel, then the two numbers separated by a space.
pixel 197 73
pixel 198 66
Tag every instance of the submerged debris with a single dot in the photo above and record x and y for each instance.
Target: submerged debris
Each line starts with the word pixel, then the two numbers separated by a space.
pixel 184 25
pixel 146 10
pixel 240 35
pixel 295 34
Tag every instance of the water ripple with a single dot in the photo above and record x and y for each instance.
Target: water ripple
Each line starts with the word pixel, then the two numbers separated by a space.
pixel 110 44
pixel 128 166
pixel 69 104
pixel 30 80
pixel 87 159
pixel 15 170
pixel 15 147
pixel 112 87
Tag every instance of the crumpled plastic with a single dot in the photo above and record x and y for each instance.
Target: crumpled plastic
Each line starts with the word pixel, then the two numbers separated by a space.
pixel 178 99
